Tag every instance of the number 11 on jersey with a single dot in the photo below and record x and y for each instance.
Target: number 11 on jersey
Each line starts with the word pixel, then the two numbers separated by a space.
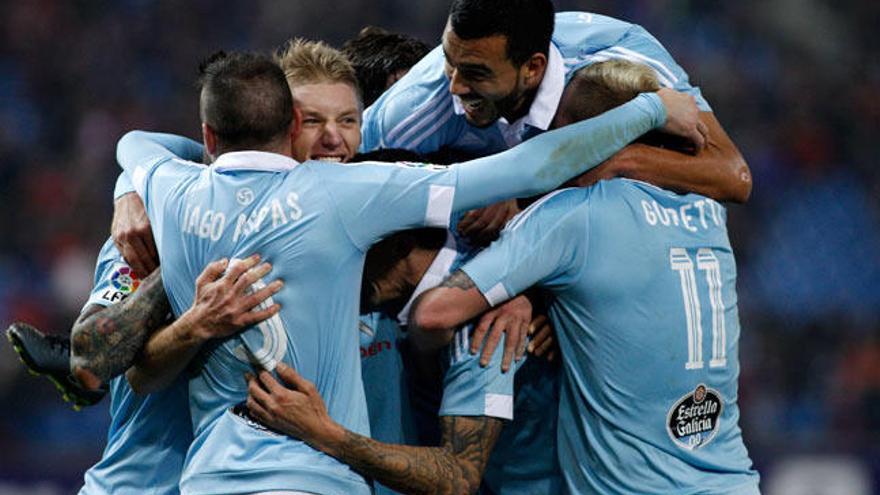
pixel 707 262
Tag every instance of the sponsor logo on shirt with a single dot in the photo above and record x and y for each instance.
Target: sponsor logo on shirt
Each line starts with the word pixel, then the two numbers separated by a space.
pixel 692 421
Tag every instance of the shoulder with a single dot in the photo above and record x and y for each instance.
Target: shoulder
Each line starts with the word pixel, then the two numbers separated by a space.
pixel 555 208
pixel 583 32
pixel 414 105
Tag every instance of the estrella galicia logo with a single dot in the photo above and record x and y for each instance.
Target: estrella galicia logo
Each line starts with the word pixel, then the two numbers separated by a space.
pixel 692 422
pixel 244 196
pixel 125 280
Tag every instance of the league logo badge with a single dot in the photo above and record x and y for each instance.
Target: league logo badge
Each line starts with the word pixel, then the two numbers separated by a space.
pixel 125 280
pixel 692 422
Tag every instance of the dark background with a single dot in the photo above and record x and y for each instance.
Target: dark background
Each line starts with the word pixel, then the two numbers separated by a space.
pixel 795 83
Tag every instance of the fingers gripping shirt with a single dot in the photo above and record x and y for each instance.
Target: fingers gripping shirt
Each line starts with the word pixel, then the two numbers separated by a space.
pixel 148 434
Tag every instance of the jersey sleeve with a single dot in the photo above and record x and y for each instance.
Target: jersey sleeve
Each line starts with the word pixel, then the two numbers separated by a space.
pixel 383 198
pixel 123 186
pixel 545 245
pixel 139 153
pixel 416 113
pixel 473 390
pixel 114 279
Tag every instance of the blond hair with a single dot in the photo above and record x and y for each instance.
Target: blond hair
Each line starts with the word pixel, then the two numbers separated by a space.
pixel 312 62
pixel 602 86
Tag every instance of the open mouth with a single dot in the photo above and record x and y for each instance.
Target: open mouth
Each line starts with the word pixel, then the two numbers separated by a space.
pixel 472 106
pixel 329 158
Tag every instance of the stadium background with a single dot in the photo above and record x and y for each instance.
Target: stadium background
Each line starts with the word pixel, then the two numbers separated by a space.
pixel 795 83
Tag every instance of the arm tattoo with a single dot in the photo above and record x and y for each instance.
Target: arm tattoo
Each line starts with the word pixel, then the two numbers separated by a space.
pixel 454 468
pixel 458 280
pixel 106 342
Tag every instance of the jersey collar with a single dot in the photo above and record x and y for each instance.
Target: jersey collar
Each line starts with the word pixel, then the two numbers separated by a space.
pixel 253 160
pixel 546 100
pixel 435 274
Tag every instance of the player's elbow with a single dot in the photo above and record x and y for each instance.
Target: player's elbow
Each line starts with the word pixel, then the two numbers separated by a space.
pixel 129 139
pixel 743 180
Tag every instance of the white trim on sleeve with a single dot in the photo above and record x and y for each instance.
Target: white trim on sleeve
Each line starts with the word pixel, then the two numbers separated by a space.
pixel 497 294
pixel 499 406
pixel 439 206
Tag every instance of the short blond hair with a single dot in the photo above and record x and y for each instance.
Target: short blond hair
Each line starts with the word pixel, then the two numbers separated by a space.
pixel 599 87
pixel 311 62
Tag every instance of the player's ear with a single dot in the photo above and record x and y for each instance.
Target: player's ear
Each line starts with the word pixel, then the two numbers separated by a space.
pixel 209 139
pixel 296 124
pixel 532 72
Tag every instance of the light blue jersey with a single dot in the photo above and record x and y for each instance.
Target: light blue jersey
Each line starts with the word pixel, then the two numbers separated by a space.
pixel 419 113
pixel 314 222
pixel 523 460
pixel 385 384
pixel 149 434
pixel 646 315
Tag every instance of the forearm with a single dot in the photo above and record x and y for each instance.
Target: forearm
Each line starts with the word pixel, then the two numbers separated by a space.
pixel 164 356
pixel 546 161
pixel 718 171
pixel 407 469
pixel 105 343
pixel 454 468
pixel 706 174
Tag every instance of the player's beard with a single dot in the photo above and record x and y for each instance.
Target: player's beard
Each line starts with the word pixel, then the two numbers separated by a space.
pixel 488 111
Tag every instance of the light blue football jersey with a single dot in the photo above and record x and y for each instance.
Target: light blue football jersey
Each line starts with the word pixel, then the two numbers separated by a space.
pixel 314 221
pixel 385 384
pixel 419 113
pixel 645 310
pixel 523 460
pixel 149 434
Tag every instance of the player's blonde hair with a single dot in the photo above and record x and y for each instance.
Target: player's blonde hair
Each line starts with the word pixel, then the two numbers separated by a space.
pixel 602 86
pixel 311 62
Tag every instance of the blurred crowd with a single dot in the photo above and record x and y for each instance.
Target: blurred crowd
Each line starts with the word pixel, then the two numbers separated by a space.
pixel 794 82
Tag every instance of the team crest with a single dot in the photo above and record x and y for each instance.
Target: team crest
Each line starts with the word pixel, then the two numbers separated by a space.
pixel 125 280
pixel 692 422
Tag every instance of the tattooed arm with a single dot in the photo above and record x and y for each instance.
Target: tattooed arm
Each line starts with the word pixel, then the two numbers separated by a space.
pixel 438 312
pixel 222 306
pixel 455 467
pixel 105 341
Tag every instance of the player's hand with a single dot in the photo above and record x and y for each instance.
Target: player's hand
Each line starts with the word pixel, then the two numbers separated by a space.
pixel 683 118
pixel 132 234
pixel 226 303
pixel 511 318
pixel 482 226
pixel 543 343
pixel 294 408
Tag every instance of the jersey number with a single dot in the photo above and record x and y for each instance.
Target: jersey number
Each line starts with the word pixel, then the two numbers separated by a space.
pixel 708 263
pixel 274 336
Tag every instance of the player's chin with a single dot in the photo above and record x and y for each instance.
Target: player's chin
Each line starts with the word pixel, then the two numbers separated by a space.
pixel 483 115
pixel 480 120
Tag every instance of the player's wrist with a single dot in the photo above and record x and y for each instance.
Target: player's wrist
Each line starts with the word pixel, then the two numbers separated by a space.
pixel 191 328
pixel 330 439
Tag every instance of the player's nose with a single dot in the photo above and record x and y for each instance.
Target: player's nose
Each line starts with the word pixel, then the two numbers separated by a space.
pixel 456 83
pixel 331 138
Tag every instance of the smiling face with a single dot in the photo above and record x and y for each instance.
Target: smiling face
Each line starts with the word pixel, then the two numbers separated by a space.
pixel 331 121
pixel 488 83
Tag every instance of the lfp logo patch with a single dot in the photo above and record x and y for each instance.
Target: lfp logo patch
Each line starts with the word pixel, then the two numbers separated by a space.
pixel 125 280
